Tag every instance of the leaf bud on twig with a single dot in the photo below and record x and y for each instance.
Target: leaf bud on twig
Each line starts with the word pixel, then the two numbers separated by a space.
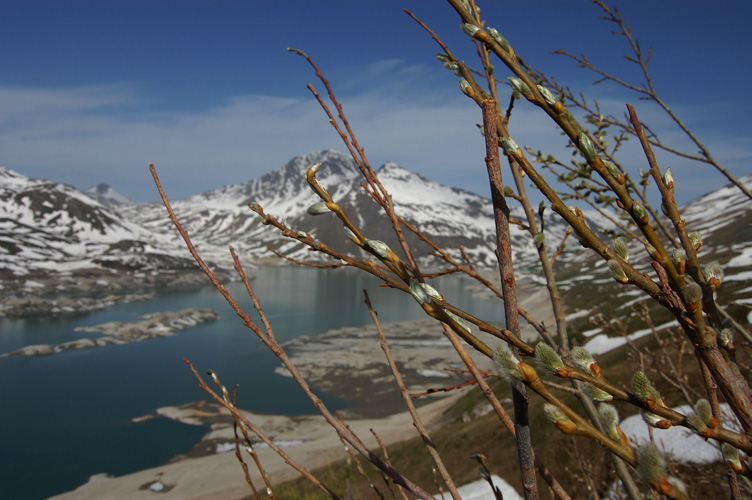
pixel 311 172
pixel 596 393
pixel 469 29
pixel 620 248
pixel 546 358
pixel 586 146
pixel 570 117
pixel 499 39
pixel 538 239
pixel 520 86
pixel 319 208
pixel 379 247
pixel 459 321
pixel 714 274
pixel 418 292
pixel 654 253
pixel 443 57
pixel 466 88
pixel 613 171
pixel 617 272
pixel 548 96
pixel 508 364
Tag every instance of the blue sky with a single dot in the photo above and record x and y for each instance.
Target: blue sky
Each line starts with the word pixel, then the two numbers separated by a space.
pixel 93 90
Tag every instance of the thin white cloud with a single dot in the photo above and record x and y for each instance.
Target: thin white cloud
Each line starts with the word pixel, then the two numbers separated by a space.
pixel 87 135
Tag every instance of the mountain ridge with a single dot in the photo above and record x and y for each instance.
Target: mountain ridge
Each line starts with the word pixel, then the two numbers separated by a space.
pixel 48 228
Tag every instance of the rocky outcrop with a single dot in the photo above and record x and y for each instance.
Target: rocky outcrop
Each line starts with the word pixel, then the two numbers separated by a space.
pixel 163 324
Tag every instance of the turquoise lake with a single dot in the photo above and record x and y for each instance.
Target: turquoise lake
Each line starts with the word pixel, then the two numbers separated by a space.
pixel 67 416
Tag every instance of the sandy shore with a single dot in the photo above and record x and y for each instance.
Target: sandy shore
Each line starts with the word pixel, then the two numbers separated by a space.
pixel 206 473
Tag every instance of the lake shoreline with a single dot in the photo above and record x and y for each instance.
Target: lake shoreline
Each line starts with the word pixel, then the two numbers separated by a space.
pixel 204 474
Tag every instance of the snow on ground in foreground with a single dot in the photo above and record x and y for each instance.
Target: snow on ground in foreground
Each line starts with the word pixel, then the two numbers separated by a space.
pixel 677 442
pixel 481 490
pixel 603 343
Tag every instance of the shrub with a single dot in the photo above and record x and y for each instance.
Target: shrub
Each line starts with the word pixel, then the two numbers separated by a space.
pixel 640 257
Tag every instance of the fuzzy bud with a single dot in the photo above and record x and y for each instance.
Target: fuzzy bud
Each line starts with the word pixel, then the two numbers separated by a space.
pixel 653 253
pixel 642 387
pixel 554 413
pixel 379 248
pixel 586 146
pixel 499 38
pixel 596 394
pixel 703 409
pixel 650 464
pixel 510 147
pixel 695 239
pixel 610 420
pixel 732 457
pixel 469 29
pixel 668 179
pixel 519 86
pixel 696 422
pixel 726 339
pixel 620 247
pixel 508 191
pixel 582 359
pixel 654 420
pixel 692 296
pixel 679 258
pixel 466 88
pixel 443 58
pixel 714 274
pixel 639 212
pixel 546 358
pixel 318 209
pixel 548 96
pixel 508 364
pixel 538 239
pixel 617 272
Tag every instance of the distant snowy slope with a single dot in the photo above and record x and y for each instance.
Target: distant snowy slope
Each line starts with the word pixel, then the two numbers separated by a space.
pixel 107 196
pixel 53 226
pixel 450 216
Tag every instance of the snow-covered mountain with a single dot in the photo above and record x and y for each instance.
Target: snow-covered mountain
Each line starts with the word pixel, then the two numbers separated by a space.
pixel 50 232
pixel 50 229
pixel 449 216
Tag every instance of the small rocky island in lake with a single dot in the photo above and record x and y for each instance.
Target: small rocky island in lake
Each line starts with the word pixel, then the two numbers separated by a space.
pixel 162 324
